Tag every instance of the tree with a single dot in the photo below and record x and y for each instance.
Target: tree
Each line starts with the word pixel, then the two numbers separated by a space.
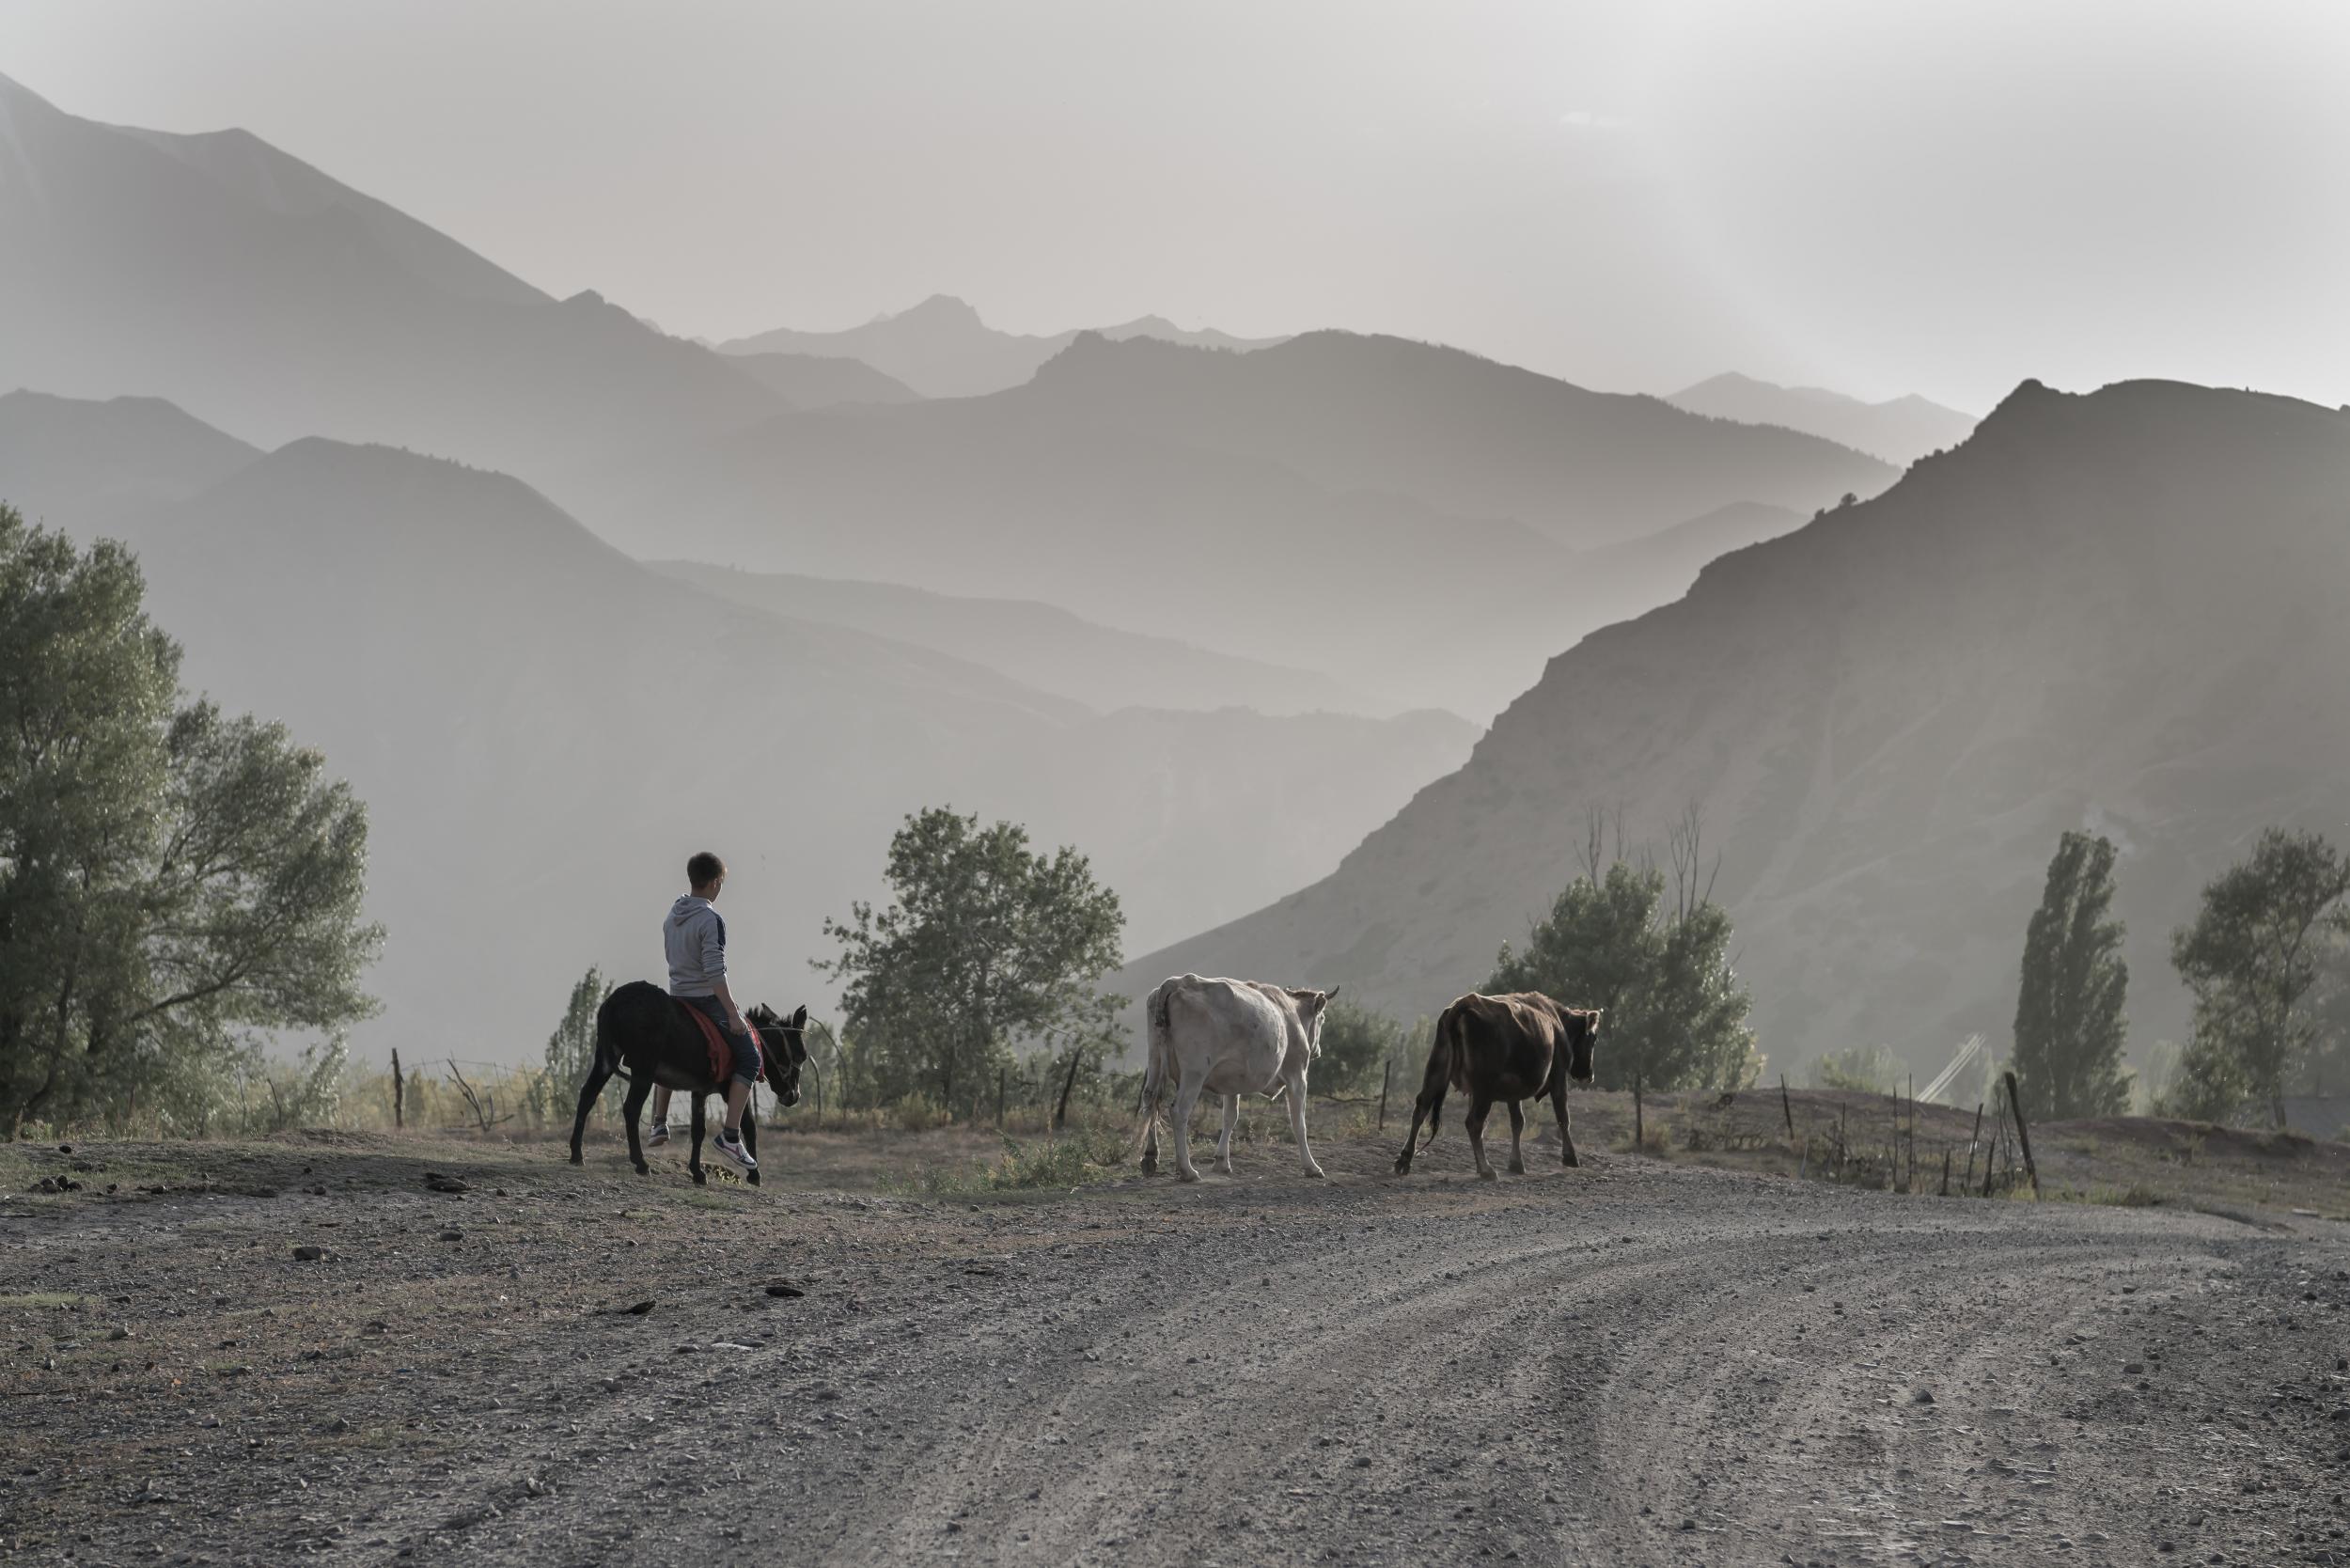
pixel 1655 956
pixel 2251 959
pixel 172 882
pixel 984 945
pixel 1355 1042
pixel 2069 1027
pixel 572 1049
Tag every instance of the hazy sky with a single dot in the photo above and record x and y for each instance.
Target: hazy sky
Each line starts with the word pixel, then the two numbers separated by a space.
pixel 1943 196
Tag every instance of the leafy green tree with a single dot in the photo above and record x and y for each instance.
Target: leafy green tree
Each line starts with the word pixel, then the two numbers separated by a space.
pixel 2069 1027
pixel 2251 959
pixel 985 945
pixel 572 1050
pixel 1656 958
pixel 172 882
pixel 1355 1042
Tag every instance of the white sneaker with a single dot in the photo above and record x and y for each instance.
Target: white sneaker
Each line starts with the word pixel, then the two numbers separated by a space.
pixel 731 1148
pixel 659 1135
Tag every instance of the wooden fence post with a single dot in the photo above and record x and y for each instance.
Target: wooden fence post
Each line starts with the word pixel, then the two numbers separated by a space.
pixel 1990 1156
pixel 1387 1071
pixel 999 1097
pixel 1787 1110
pixel 400 1092
pixel 2023 1138
pixel 1640 1127
pixel 1946 1170
pixel 1913 1132
pixel 1060 1112
pixel 1968 1184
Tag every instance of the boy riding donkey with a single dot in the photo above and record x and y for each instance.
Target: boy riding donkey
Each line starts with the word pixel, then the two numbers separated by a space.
pixel 696 941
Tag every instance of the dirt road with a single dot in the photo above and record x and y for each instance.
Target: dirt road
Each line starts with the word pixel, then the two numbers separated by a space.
pixel 1629 1363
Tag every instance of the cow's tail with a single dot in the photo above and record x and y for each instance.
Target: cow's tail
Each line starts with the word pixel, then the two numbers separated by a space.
pixel 1158 1063
pixel 1447 1066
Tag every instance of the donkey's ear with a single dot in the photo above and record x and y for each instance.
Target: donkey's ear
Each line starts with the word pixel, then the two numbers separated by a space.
pixel 799 1017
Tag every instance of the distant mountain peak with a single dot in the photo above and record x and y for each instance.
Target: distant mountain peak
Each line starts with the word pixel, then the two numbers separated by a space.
pixel 1898 429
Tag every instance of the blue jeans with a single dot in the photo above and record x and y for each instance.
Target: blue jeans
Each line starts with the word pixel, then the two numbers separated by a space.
pixel 745 1053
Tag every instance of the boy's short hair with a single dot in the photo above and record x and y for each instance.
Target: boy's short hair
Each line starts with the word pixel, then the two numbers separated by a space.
pixel 703 869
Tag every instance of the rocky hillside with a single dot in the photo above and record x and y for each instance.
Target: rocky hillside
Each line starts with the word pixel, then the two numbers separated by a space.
pixel 2127 609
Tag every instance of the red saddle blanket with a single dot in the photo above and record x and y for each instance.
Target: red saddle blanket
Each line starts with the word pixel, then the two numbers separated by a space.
pixel 721 1053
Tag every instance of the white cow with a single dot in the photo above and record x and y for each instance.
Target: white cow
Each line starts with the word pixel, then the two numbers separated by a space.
pixel 1228 1038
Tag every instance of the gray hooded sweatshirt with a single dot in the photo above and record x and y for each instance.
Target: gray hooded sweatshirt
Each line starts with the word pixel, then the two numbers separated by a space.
pixel 697 940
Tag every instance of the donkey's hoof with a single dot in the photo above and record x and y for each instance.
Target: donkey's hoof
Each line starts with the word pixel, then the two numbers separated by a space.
pixel 576 1159
pixel 752 1177
pixel 1568 1160
pixel 701 1178
pixel 643 1169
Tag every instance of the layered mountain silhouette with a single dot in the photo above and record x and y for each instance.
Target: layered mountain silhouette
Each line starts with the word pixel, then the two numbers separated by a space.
pixel 1900 431
pixel 1274 505
pixel 2126 610
pixel 808 381
pixel 541 727
pixel 276 302
pixel 1468 436
pixel 1039 645
pixel 942 348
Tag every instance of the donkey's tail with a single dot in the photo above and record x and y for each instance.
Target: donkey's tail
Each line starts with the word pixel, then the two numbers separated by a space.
pixel 1158 1064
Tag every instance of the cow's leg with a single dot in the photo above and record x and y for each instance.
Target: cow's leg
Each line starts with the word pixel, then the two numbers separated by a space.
pixel 1151 1143
pixel 701 1123
pixel 630 1109
pixel 1566 1139
pixel 1429 1107
pixel 597 1077
pixel 1518 1135
pixel 1297 1121
pixel 1224 1138
pixel 1186 1101
pixel 1480 1107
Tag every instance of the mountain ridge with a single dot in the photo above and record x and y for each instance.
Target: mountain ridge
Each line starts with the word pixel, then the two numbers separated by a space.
pixel 1888 716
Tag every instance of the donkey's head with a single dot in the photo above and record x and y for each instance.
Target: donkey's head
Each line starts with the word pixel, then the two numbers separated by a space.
pixel 781 1049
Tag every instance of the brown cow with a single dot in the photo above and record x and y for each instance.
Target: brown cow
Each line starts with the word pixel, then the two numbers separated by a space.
pixel 1515 1047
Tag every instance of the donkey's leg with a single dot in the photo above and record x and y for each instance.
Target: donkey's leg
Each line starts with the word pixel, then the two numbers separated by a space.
pixel 588 1091
pixel 1479 1107
pixel 630 1108
pixel 1517 1139
pixel 1566 1137
pixel 694 1160
pixel 1297 1120
pixel 750 1142
pixel 1186 1101
pixel 1223 1138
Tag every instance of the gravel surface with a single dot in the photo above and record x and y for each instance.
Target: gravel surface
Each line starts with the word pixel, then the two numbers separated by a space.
pixel 1631 1362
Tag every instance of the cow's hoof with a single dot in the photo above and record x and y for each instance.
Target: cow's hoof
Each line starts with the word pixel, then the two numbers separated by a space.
pixel 1187 1175
pixel 1517 1168
pixel 1149 1167
pixel 1313 1170
pixel 1570 1161
pixel 1402 1168
pixel 1489 1174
